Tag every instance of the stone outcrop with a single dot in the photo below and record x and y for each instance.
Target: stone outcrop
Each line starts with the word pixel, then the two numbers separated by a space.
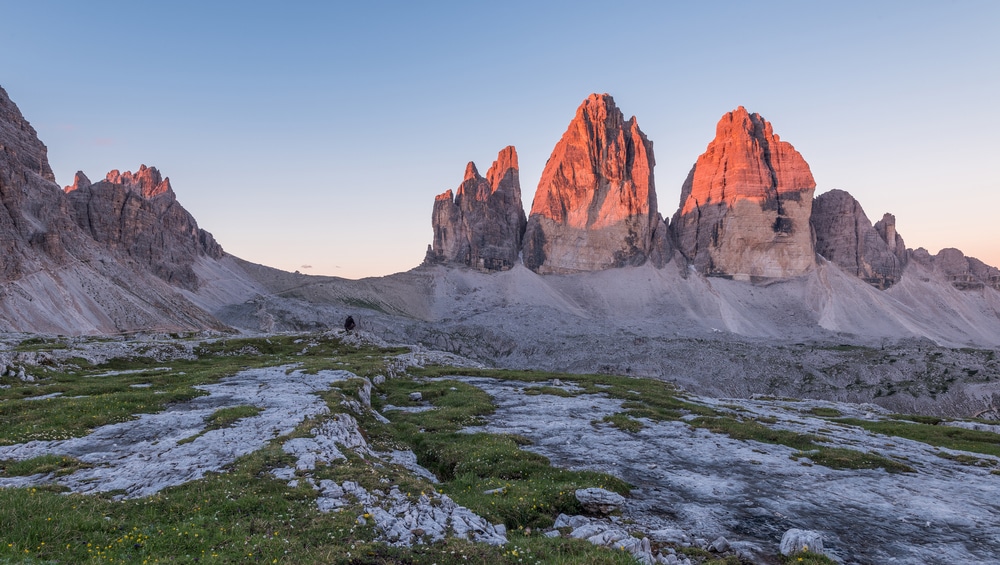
pixel 846 237
pixel 138 214
pixel 595 207
pixel 964 273
pixel 745 206
pixel 482 224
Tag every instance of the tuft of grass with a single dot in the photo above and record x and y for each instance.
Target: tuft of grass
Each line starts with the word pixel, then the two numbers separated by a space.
pixel 623 422
pixel 806 558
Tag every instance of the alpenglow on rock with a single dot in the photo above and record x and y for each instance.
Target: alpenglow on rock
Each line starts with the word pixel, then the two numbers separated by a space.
pixel 595 207
pixel 138 213
pixel 482 225
pixel 846 237
pixel 745 206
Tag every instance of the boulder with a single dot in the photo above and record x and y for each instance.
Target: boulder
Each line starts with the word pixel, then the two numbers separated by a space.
pixel 846 237
pixel 482 224
pixel 599 501
pixel 595 206
pixel 795 541
pixel 745 206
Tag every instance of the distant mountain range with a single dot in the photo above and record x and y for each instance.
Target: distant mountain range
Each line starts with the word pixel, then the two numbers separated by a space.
pixel 749 252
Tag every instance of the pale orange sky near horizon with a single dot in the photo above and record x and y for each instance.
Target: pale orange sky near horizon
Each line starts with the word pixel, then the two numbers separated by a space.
pixel 318 134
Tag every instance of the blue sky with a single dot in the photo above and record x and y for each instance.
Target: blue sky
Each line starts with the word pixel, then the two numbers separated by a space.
pixel 314 136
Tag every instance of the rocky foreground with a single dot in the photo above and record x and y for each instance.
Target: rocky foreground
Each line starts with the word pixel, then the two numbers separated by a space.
pixel 690 486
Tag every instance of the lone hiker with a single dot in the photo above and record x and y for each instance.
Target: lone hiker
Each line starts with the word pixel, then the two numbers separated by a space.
pixel 349 323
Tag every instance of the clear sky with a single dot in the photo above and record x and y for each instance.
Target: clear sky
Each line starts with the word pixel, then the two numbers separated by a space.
pixel 314 136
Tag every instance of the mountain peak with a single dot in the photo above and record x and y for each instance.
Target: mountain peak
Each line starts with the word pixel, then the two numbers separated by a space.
pixel 147 181
pixel 595 206
pixel 745 206
pixel 482 226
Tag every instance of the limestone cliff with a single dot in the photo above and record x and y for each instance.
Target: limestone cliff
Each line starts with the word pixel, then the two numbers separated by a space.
pixel 846 237
pixel 33 217
pixel 482 224
pixel 138 213
pixel 595 207
pixel 745 206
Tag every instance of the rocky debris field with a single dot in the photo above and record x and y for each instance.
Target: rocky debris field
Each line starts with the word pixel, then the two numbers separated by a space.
pixel 692 485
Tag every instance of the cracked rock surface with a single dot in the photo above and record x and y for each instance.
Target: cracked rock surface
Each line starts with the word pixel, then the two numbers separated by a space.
pixel 698 483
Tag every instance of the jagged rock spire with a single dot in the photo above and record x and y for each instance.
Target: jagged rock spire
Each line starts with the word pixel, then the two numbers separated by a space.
pixel 595 207
pixel 482 223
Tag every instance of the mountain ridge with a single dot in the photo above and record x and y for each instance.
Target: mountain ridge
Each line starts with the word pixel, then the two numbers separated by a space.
pixel 144 264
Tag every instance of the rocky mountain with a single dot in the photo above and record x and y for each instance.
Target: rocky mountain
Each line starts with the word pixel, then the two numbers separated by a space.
pixel 745 206
pixel 138 214
pixel 122 255
pixel 481 226
pixel 595 207
pixel 846 237
pixel 964 273
pixel 77 265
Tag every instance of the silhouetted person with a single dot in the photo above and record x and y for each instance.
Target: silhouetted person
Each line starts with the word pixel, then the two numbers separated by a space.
pixel 349 323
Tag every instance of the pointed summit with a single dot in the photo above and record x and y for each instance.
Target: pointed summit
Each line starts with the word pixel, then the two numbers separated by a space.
pixel 745 206
pixel 595 207
pixel 146 181
pixel 482 225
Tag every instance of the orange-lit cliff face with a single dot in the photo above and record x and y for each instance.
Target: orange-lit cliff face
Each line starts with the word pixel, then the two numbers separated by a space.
pixel 595 207
pixel 481 226
pixel 745 206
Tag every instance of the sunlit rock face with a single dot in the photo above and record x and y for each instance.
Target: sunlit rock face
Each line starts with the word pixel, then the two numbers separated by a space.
pixel 964 273
pixel 138 213
pixel 595 207
pixel 846 237
pixel 482 223
pixel 745 206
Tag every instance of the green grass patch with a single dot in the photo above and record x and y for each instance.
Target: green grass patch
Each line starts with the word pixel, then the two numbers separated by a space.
pixel 959 439
pixel 824 412
pixel 57 464
pixel 841 458
pixel 89 400
pixel 964 459
pixel 806 558
pixel 832 457
pixel 550 390
pixel 623 422
pixel 755 431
